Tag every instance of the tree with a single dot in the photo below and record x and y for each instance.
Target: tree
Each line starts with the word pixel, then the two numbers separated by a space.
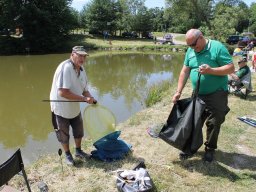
pixel 224 22
pixel 157 18
pixel 135 5
pixel 252 16
pixel 189 14
pixel 230 17
pixel 101 15
pixel 41 22
pixel 241 9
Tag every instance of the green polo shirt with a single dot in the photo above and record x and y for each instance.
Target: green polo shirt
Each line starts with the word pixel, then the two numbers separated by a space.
pixel 214 54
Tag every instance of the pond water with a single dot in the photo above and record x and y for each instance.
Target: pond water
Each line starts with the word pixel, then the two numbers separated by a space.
pixel 119 81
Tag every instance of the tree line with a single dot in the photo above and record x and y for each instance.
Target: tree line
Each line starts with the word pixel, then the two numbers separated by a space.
pixel 44 26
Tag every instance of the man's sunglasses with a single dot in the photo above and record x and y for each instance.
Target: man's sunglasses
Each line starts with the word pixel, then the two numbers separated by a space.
pixel 195 42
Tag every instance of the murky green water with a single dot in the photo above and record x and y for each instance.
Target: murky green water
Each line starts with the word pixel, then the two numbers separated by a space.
pixel 118 81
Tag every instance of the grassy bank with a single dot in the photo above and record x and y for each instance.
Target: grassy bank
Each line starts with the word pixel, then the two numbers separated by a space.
pixel 233 170
pixel 97 42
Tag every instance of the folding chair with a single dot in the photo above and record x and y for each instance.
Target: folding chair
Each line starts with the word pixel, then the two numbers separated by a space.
pixel 244 88
pixel 9 169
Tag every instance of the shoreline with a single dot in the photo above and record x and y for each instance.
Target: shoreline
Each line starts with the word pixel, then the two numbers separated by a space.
pixel 235 157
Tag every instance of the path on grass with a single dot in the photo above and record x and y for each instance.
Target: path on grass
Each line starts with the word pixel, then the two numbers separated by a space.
pixel 177 42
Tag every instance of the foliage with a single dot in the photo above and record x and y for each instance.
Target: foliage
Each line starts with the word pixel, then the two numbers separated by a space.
pixel 224 18
pixel 252 17
pixel 9 46
pixel 157 18
pixel 44 30
pixel 141 22
pixel 155 93
pixel 129 15
pixel 190 14
pixel 101 16
pixel 41 22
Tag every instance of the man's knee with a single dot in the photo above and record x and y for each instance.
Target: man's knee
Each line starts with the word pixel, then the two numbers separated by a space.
pixel 216 120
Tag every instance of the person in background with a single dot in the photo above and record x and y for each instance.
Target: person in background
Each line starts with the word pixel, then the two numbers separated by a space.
pixel 213 61
pixel 238 51
pixel 70 84
pixel 234 79
pixel 254 62
pixel 250 46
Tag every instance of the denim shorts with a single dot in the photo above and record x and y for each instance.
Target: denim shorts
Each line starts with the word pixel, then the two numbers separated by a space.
pixel 62 125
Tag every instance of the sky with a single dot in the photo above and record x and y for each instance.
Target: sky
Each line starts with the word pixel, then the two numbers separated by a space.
pixel 78 4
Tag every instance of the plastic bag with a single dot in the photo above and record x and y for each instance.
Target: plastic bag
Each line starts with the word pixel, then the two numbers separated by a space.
pixel 135 180
pixel 183 129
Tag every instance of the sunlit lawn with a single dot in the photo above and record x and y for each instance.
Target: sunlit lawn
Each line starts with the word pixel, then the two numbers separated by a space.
pixel 118 41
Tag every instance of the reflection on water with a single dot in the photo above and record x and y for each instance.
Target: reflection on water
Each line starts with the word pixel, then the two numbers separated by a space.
pixel 118 81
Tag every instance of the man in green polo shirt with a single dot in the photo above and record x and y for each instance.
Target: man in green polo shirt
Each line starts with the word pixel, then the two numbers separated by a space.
pixel 213 61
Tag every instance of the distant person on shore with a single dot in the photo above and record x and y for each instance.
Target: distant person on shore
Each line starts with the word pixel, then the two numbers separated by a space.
pixel 213 61
pixel 70 84
pixel 234 79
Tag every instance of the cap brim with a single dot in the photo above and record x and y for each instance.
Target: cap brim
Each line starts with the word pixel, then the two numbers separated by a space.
pixel 81 52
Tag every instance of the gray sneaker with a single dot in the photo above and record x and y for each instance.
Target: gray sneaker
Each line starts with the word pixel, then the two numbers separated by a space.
pixel 70 160
pixel 154 130
pixel 82 155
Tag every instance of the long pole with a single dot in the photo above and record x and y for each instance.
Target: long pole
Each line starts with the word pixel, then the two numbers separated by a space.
pixel 48 100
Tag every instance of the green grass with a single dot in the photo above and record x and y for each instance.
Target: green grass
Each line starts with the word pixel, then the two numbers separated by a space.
pixel 118 43
pixel 155 93
pixel 181 38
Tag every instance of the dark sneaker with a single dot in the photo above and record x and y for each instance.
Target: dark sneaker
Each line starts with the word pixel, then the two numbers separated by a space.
pixel 82 155
pixel 70 160
pixel 184 156
pixel 141 164
pixel 209 155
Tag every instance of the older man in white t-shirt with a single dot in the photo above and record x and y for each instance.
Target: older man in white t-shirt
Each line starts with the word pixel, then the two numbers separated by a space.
pixel 69 85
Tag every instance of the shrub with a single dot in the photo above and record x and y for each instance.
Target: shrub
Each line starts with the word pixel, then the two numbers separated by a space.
pixel 156 93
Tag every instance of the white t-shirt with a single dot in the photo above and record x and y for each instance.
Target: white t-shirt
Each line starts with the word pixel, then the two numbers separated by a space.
pixel 66 77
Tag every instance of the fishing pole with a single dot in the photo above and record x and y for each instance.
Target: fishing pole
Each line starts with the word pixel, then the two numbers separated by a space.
pixel 49 100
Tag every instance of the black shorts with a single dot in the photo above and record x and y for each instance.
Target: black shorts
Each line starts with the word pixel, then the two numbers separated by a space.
pixel 61 126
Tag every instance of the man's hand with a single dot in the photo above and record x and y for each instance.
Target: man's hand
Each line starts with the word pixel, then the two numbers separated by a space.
pixel 204 69
pixel 90 100
pixel 176 97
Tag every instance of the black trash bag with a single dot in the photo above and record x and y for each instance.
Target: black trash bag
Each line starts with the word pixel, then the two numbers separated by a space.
pixel 135 180
pixel 183 128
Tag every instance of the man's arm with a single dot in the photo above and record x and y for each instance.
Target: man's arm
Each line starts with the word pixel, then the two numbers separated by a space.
pixel 66 93
pixel 219 71
pixel 184 74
